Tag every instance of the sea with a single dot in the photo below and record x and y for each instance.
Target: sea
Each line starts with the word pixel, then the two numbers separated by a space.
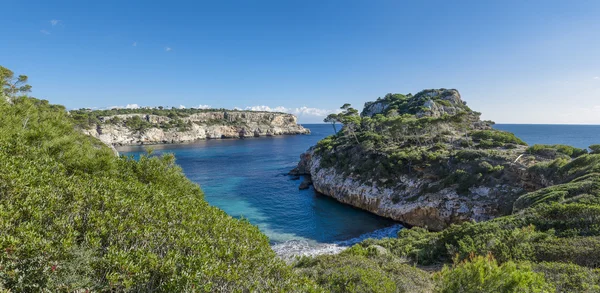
pixel 247 178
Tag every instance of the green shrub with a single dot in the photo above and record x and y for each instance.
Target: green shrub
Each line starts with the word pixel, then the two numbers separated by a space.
pixel 360 269
pixel 505 243
pixel 583 251
pixel 569 277
pixel 585 189
pixel 417 244
pixel 463 180
pixel 565 220
pixel 497 136
pixel 471 155
pixel 483 274
pixel 138 124
pixel 551 151
pixel 595 149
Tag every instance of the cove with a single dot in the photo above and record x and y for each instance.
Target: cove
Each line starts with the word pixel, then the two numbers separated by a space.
pixel 247 178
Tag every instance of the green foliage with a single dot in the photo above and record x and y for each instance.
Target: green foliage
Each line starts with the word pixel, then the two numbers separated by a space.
pixel 497 136
pixel 364 270
pixel 583 251
pixel 551 151
pixel 417 244
pixel 569 277
pixel 483 274
pixel 137 123
pixel 595 149
pixel 581 178
pixel 75 217
pixel 11 86
pixel 565 220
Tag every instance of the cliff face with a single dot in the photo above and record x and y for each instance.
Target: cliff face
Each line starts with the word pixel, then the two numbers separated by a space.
pixel 114 130
pixel 405 200
pixel 425 160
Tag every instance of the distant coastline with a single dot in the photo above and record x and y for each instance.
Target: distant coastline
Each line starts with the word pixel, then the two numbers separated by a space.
pixel 182 126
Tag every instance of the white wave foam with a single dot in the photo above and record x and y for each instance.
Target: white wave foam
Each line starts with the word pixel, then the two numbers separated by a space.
pixel 288 250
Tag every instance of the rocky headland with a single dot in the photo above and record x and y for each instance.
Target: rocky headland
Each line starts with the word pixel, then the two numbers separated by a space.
pixel 179 126
pixel 426 160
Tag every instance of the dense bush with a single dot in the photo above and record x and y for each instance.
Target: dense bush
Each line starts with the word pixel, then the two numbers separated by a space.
pixel 569 277
pixel 565 220
pixel 138 124
pixel 575 181
pixel 497 136
pixel 482 274
pixel 75 217
pixel 551 151
pixel 359 269
pixel 583 251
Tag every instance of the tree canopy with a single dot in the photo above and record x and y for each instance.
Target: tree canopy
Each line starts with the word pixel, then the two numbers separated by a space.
pixel 12 86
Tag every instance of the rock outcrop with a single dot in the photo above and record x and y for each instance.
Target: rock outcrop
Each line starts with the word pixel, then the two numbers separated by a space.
pixel 208 125
pixel 405 200
pixel 429 161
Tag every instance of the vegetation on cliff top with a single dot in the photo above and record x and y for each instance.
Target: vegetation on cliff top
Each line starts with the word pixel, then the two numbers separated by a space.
pixel 432 135
pixel 86 118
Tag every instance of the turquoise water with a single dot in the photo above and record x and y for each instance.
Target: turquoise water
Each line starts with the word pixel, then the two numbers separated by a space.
pixel 247 178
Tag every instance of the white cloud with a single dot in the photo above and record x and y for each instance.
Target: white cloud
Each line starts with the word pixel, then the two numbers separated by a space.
pixel 202 107
pixel 129 106
pixel 54 22
pixel 314 111
pixel 597 77
pixel 132 106
pixel 267 109
pixel 302 111
pixel 134 44
pixel 45 32
pixel 181 107
pixel 168 49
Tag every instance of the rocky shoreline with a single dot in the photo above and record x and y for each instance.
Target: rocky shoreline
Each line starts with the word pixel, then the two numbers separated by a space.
pixel 404 202
pixel 211 125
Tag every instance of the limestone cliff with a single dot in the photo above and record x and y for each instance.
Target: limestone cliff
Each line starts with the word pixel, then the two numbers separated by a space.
pixel 156 129
pixel 405 199
pixel 425 160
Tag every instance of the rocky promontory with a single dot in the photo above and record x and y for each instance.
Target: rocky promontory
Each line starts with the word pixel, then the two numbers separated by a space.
pixel 425 160
pixel 179 126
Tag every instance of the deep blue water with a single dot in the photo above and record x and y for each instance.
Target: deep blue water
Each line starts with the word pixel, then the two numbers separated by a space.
pixel 580 136
pixel 247 178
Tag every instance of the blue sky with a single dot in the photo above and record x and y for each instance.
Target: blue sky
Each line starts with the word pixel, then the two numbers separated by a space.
pixel 515 61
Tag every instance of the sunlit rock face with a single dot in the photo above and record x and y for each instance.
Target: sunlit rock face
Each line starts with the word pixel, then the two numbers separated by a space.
pixel 210 125
pixel 405 201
